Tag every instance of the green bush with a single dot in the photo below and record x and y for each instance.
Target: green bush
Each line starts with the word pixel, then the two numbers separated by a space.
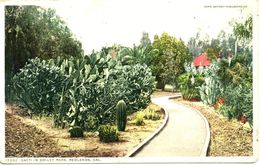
pixel 230 79
pixel 238 102
pixel 139 118
pixel 36 86
pixel 26 38
pixel 236 70
pixel 189 84
pixel 151 115
pixel 76 131
pixel 91 123
pixel 108 133
pixel 134 84
pixel 82 90
pixel 237 78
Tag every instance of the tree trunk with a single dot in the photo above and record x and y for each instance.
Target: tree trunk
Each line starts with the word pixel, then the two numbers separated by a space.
pixel 160 85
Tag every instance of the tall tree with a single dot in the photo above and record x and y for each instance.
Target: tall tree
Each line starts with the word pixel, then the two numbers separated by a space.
pixel 223 45
pixel 145 40
pixel 244 30
pixel 213 50
pixel 226 44
pixel 197 44
pixel 32 31
pixel 169 63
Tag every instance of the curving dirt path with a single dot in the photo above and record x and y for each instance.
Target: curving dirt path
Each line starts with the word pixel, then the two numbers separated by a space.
pixel 185 134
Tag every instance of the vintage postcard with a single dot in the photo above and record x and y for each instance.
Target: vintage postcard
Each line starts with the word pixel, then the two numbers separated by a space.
pixel 129 81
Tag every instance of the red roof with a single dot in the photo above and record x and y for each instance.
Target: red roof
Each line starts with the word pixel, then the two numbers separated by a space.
pixel 201 60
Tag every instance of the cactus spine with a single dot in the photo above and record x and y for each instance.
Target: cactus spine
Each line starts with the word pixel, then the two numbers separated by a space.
pixel 121 115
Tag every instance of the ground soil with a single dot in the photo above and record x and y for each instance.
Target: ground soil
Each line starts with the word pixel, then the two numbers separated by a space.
pixel 26 137
pixel 228 137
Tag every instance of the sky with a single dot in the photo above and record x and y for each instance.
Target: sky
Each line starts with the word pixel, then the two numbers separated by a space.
pixel 98 23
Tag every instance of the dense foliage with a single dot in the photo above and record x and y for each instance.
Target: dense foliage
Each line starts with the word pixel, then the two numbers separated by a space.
pixel 37 85
pixel 171 58
pixel 224 46
pixel 238 102
pixel 82 91
pixel 151 115
pixel 189 84
pixel 237 79
pixel 244 30
pixel 228 81
pixel 76 131
pixel 108 133
pixel 32 31
pixel 165 57
pixel 227 86
pixel 53 77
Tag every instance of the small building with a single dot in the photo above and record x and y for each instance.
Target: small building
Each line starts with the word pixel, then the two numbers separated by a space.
pixel 201 61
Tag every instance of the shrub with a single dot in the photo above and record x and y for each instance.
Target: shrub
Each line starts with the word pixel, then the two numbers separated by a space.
pixel 139 118
pixel 189 84
pixel 134 84
pixel 108 133
pixel 236 75
pixel 36 86
pixel 76 131
pixel 91 123
pixel 238 102
pixel 151 115
pixel 83 90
